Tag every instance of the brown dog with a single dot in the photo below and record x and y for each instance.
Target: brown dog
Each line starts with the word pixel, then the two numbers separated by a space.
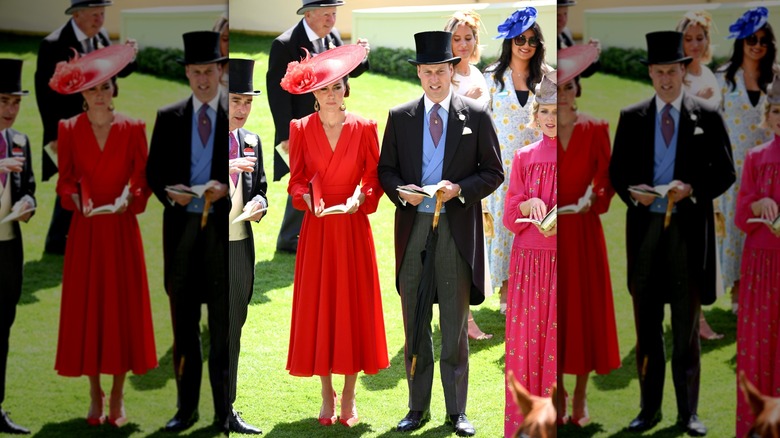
pixel 538 412
pixel 766 410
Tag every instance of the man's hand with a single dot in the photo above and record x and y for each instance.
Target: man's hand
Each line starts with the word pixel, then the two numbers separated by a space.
pixel 414 200
pixel 680 192
pixel 11 164
pixel 242 164
pixel 286 146
pixel 134 44
pixel 449 191
pixel 642 198
pixel 218 192
pixel 257 210
pixel 364 43
pixel 26 205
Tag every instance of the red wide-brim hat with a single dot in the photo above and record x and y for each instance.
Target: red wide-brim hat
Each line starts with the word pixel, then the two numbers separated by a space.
pixel 322 70
pixel 83 72
pixel 572 61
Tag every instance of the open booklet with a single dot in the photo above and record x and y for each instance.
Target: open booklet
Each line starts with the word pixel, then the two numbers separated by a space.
pixel 17 211
pixel 775 224
pixel 548 221
pixel 659 191
pixel 248 212
pixel 315 190
pixel 119 202
pixel 428 191
pixel 194 191
pixel 583 202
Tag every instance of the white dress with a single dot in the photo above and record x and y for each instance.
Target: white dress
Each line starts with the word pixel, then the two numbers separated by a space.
pixel 474 78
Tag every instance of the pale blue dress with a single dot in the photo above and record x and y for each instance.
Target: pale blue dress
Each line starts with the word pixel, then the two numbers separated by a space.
pixel 743 123
pixel 513 128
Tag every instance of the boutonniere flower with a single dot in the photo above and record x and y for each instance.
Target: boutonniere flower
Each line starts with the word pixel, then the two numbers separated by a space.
pixel 331 45
pixel 694 117
pixel 461 117
pixel 19 139
pixel 250 139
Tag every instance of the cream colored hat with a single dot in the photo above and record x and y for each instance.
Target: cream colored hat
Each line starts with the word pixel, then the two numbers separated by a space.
pixel 546 92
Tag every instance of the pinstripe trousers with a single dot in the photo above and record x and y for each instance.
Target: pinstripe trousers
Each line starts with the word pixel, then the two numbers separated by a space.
pixel 242 276
pixel 453 279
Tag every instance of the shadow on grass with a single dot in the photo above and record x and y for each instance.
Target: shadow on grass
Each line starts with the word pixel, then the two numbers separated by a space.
pixel 39 275
pixel 205 431
pixel 310 427
pixel 158 377
pixel 589 430
pixel 439 431
pixel 721 321
pixel 78 427
pixel 272 274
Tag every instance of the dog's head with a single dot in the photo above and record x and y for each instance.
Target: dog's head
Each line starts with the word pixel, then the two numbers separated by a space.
pixel 766 410
pixel 538 412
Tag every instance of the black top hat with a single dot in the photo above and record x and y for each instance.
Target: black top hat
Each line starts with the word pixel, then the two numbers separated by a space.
pixel 11 77
pixel 434 47
pixel 566 3
pixel 201 47
pixel 312 4
pixel 78 4
pixel 665 47
pixel 240 78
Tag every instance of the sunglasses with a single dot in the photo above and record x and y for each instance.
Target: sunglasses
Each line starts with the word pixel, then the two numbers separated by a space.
pixel 521 40
pixel 752 40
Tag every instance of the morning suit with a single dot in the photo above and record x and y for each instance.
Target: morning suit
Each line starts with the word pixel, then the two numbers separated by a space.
pixel 674 265
pixel 195 259
pixel 18 184
pixel 471 138
pixel 285 107
pixel 59 46
pixel 242 248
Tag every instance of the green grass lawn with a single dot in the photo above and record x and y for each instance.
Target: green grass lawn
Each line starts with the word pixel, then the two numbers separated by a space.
pixel 286 406
pixel 613 399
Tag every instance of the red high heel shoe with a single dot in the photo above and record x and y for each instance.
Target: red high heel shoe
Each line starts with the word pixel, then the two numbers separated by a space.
pixel 121 420
pixel 97 421
pixel 564 419
pixel 331 420
pixel 584 419
pixel 353 416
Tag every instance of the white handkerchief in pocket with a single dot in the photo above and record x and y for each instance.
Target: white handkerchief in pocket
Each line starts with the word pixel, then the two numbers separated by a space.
pixel 466 130
pixel 698 131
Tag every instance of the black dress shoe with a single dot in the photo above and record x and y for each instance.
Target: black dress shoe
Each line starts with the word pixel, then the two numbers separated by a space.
pixel 642 423
pixel 413 420
pixel 8 426
pixel 462 425
pixel 238 425
pixel 181 422
pixel 693 425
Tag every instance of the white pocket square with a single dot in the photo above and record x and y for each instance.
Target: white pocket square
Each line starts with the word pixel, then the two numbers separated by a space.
pixel 466 130
pixel 698 131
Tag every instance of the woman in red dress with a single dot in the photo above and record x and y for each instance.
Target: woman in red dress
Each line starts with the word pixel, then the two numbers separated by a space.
pixel 105 317
pixel 337 323
pixel 587 318
pixel 758 324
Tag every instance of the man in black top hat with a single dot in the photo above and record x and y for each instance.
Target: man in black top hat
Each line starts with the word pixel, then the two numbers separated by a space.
pixel 17 193
pixel 83 33
pixel 316 32
pixel 440 125
pixel 247 195
pixel 670 241
pixel 188 149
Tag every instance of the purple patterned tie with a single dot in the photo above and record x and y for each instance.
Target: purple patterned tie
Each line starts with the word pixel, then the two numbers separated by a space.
pixel 3 154
pixel 435 125
pixel 204 125
pixel 667 124
pixel 234 155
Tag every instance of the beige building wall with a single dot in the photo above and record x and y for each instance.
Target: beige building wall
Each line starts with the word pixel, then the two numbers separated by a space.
pixel 43 16
pixel 577 22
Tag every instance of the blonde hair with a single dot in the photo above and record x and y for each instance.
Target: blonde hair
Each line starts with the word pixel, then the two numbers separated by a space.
pixel 221 22
pixel 470 18
pixel 702 19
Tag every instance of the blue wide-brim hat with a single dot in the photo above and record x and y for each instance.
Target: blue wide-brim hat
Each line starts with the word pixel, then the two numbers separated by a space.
pixel 749 23
pixel 517 23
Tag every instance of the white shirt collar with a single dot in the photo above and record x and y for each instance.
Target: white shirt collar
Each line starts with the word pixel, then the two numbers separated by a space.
pixel 444 103
pixel 196 103
pixel 676 103
pixel 310 33
pixel 80 35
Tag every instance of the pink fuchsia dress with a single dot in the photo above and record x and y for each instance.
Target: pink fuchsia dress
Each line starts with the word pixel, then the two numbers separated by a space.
pixel 531 316
pixel 758 325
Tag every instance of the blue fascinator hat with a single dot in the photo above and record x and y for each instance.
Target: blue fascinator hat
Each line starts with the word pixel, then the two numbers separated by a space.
pixel 517 23
pixel 750 22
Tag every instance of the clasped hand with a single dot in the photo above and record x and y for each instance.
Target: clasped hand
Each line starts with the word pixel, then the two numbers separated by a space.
pixel 449 190
pixel 11 164
pixel 536 209
pixel 676 194
pixel 242 164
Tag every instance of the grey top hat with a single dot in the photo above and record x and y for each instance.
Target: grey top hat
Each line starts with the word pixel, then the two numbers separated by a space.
pixel 79 4
pixel 434 47
pixel 566 2
pixel 546 92
pixel 11 77
pixel 313 4
pixel 201 47
pixel 773 91
pixel 665 47
pixel 240 79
